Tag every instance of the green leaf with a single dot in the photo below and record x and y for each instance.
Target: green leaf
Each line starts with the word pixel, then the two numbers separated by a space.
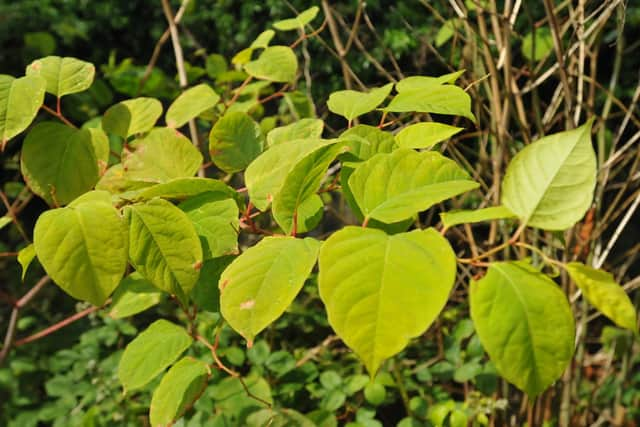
pixel 447 31
pixel 380 290
pixel 179 388
pixel 351 104
pixel 231 397
pixel 393 187
pixel 134 295
pixel 150 353
pixel 162 155
pixel 261 42
pixel 301 129
pixel 261 283
pixel 550 183
pixel 443 99
pixel 235 141
pixel 164 246
pixel 364 141
pixel 299 21
pixel 412 83
pixel 132 116
pixel 4 221
pixel 265 176
pixel 183 188
pixel 278 418
pixel 206 293
pixel 83 247
pixel 215 217
pixel 425 135
pixel 25 256
pixel 190 104
pixel 275 64
pixel 58 162
pixel 525 323
pixel 375 393
pixel 543 44
pixel 602 291
pixel 449 219
pixel 63 75
pixel 100 143
pixel 20 101
pixel 116 181
pixel 300 185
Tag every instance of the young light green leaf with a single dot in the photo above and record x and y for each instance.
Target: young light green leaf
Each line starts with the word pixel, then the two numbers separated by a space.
pixel 278 418
pixel 132 116
pixel 443 99
pixel 351 104
pixel 425 135
pixel 364 141
pixel 265 176
pixel 538 47
pixel 190 104
pixel 20 101
pixel 83 247
pixel 63 75
pixel 58 162
pixel 602 291
pixel 179 388
pixel 550 183
pixel 447 31
pixel 525 323
pixel 451 218
pixel 164 246
pixel 4 221
pixel 301 129
pixel 261 283
pixel 215 218
pixel 162 155
pixel 299 21
pixel 380 291
pixel 412 83
pixel 235 141
pixel 275 64
pixel 25 256
pixel 300 185
pixel 150 353
pixel 133 295
pixel 393 187
pixel 183 188
pixel 261 42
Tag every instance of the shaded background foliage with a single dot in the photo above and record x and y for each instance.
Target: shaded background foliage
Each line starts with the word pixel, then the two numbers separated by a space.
pixel 73 371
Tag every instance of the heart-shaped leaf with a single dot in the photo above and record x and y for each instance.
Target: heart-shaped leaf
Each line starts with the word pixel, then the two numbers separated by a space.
pixel 275 64
pixel 190 104
pixel 351 104
pixel 443 99
pixel 301 129
pixel 63 75
pixel 425 135
pixel 132 116
pixel 20 101
pixel 235 141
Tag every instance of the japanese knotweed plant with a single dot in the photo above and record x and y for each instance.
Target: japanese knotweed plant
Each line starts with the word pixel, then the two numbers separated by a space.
pixel 130 230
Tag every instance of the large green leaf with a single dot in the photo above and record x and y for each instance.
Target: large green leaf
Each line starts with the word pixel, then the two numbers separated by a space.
pixel 132 116
pixel 235 141
pixel 190 104
pixel 299 21
pixel 301 129
pixel 525 323
pixel 364 141
pixel 20 101
pixel 134 295
pixel 602 291
pixel 215 217
pixel 183 188
pixel 393 187
pixel 300 185
pixel 261 283
pixel 443 99
pixel 380 290
pixel 275 64
pixel 83 247
pixel 351 104
pixel 425 135
pixel 58 162
pixel 412 83
pixel 179 388
pixel 265 176
pixel 150 353
pixel 164 246
pixel 162 155
pixel 449 219
pixel 550 183
pixel 63 75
